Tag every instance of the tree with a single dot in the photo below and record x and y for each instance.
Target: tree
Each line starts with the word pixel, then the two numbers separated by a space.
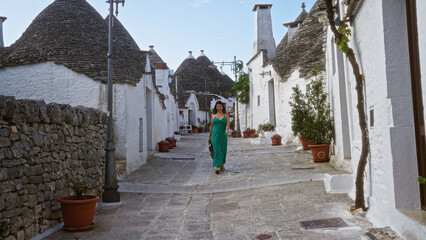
pixel 341 39
pixel 242 85
pixel 318 124
pixel 299 111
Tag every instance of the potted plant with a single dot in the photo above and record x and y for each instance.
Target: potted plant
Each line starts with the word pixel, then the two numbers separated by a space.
pixel 234 133
pixel 182 130
pixel 170 142
pixel 318 124
pixel 163 146
pixel 194 129
pixel 176 135
pixel 249 133
pixel 299 111
pixel 200 129
pixel 266 127
pixel 78 210
pixel 276 140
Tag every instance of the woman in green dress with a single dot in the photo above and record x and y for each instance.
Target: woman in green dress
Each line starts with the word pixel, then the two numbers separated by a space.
pixel 219 127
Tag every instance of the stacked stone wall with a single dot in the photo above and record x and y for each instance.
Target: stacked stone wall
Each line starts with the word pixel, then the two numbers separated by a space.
pixel 44 150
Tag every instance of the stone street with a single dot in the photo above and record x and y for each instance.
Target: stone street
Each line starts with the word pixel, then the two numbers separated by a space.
pixel 265 190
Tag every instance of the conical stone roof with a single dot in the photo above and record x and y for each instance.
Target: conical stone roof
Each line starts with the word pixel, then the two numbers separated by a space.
pixel 74 34
pixel 220 84
pixel 193 77
pixel 306 50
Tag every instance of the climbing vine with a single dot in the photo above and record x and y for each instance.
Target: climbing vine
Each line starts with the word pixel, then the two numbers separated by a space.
pixel 342 35
pixel 242 85
pixel 342 42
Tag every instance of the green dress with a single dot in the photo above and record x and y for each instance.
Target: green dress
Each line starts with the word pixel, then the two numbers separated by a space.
pixel 219 141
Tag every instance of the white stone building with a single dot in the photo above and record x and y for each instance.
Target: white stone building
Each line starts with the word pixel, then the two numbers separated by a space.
pixel 61 57
pixel 274 70
pixel 389 44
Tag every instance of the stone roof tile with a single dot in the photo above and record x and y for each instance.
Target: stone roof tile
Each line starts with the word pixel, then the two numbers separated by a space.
pixel 305 50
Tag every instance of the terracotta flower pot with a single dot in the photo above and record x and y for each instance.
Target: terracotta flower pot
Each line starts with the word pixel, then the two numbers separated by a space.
pixel 78 214
pixel 194 130
pixel 170 141
pixel 234 134
pixel 249 134
pixel 276 141
pixel 305 142
pixel 320 153
pixel 163 146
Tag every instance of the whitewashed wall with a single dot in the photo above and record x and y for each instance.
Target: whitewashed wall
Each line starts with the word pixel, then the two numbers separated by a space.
pixel 283 89
pixel 382 52
pixel 259 103
pixel 56 83
pixel 254 115
pixel 53 83
pixel 165 121
pixel 242 116
pixel 128 110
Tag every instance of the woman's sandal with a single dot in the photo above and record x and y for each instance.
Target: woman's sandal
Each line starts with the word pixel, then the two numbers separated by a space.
pixel 217 171
pixel 222 169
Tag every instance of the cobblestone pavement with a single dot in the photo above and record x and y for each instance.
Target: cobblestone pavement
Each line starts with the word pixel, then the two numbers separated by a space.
pixel 264 190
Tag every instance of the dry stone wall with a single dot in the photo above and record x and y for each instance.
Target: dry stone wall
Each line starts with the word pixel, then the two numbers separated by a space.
pixel 44 150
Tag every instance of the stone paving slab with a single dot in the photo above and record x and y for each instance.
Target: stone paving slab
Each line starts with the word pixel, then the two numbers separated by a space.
pixel 259 193
pixel 248 166
pixel 244 214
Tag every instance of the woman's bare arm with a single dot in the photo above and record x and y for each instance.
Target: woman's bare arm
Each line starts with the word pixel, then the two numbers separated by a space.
pixel 227 124
pixel 211 127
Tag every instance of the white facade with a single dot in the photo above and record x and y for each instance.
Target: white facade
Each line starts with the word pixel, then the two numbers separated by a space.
pixel 269 99
pixel 135 137
pixel 192 115
pixel 382 52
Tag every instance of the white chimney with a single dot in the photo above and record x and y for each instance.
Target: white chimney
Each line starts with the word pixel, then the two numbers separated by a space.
pixel 147 64
pixel 2 19
pixel 263 37
pixel 190 55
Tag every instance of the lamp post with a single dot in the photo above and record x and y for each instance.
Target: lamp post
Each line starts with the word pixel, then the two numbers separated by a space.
pixel 233 65
pixel 110 194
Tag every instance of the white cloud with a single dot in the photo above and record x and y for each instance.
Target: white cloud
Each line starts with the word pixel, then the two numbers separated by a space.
pixel 198 3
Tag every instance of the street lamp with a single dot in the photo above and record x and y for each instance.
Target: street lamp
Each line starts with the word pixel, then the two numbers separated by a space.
pixel 110 194
pixel 233 65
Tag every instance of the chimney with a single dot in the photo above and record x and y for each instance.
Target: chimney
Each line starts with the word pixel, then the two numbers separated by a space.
pixel 263 38
pixel 190 55
pixel 147 64
pixel 2 19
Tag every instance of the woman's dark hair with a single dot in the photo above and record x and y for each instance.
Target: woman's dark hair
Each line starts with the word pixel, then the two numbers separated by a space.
pixel 215 109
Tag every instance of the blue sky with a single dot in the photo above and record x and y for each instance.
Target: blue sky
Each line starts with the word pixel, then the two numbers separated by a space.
pixel 222 28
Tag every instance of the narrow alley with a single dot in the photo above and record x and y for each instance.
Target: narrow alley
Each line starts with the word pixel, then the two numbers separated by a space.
pixel 264 193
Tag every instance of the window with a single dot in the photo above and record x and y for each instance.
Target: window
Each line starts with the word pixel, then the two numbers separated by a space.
pixel 258 100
